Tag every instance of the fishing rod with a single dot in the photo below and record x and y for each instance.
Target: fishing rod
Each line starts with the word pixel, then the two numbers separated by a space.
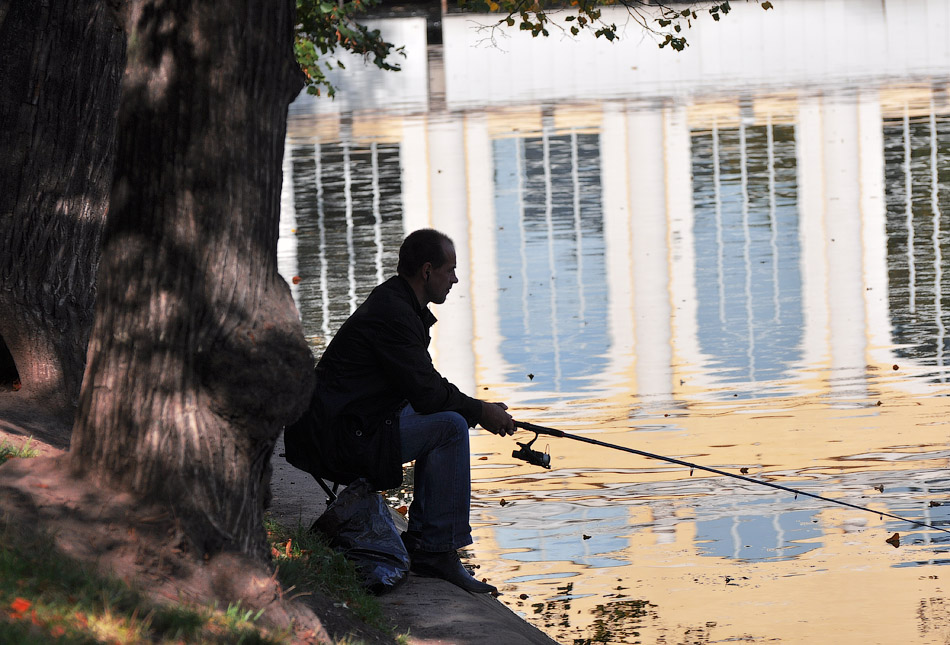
pixel 543 459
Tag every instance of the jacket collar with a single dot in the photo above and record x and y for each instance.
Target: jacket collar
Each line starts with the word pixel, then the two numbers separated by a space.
pixel 424 313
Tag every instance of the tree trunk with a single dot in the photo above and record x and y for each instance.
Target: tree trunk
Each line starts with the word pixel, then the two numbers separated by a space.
pixel 60 67
pixel 197 357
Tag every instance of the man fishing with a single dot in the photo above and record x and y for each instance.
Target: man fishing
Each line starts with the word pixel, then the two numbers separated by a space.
pixel 379 403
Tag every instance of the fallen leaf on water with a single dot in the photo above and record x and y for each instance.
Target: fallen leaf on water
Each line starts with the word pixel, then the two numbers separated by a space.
pixel 530 377
pixel 896 367
pixel 879 488
pixel 296 279
pixel 932 503
pixel 894 540
pixel 483 458
pixel 586 537
pixel 523 596
pixel 744 471
pixel 503 502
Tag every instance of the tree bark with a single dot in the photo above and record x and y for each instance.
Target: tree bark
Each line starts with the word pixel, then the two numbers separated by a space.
pixel 60 67
pixel 197 357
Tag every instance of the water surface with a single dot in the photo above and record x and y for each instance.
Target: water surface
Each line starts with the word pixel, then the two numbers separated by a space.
pixel 735 257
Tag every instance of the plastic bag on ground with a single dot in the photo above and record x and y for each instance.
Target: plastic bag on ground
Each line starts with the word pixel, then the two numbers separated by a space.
pixel 358 523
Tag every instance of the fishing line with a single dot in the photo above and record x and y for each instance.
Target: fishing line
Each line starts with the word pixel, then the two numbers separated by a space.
pixel 543 459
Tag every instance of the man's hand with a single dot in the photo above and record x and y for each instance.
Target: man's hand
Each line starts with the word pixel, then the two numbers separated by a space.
pixel 495 419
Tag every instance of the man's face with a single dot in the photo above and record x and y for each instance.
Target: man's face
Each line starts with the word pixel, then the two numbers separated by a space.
pixel 440 279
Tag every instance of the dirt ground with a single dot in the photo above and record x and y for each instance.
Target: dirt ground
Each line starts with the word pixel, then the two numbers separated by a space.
pixel 142 546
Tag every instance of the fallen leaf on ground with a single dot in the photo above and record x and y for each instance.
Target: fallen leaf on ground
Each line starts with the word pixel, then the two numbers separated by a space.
pixel 20 607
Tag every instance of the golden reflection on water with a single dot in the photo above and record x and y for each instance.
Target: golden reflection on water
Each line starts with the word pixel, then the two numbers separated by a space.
pixel 846 585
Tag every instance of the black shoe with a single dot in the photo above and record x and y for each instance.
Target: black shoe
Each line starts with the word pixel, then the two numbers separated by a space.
pixel 446 565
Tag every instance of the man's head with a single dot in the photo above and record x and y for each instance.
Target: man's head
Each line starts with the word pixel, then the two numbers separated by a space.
pixel 427 262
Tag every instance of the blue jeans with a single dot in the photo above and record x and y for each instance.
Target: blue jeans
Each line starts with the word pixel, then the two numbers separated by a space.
pixel 443 483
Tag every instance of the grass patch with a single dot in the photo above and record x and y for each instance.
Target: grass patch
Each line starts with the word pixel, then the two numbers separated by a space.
pixel 9 451
pixel 46 597
pixel 305 562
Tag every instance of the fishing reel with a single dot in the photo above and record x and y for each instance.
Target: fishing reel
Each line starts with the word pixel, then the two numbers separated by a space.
pixel 532 456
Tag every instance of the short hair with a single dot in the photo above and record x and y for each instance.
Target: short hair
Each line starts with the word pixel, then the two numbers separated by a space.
pixel 419 247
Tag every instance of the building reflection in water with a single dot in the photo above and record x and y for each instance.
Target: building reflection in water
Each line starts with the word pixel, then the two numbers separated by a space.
pixel 688 237
pixel 917 170
pixel 763 226
pixel 745 202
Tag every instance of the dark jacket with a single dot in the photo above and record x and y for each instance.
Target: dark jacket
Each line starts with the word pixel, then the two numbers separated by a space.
pixel 378 360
